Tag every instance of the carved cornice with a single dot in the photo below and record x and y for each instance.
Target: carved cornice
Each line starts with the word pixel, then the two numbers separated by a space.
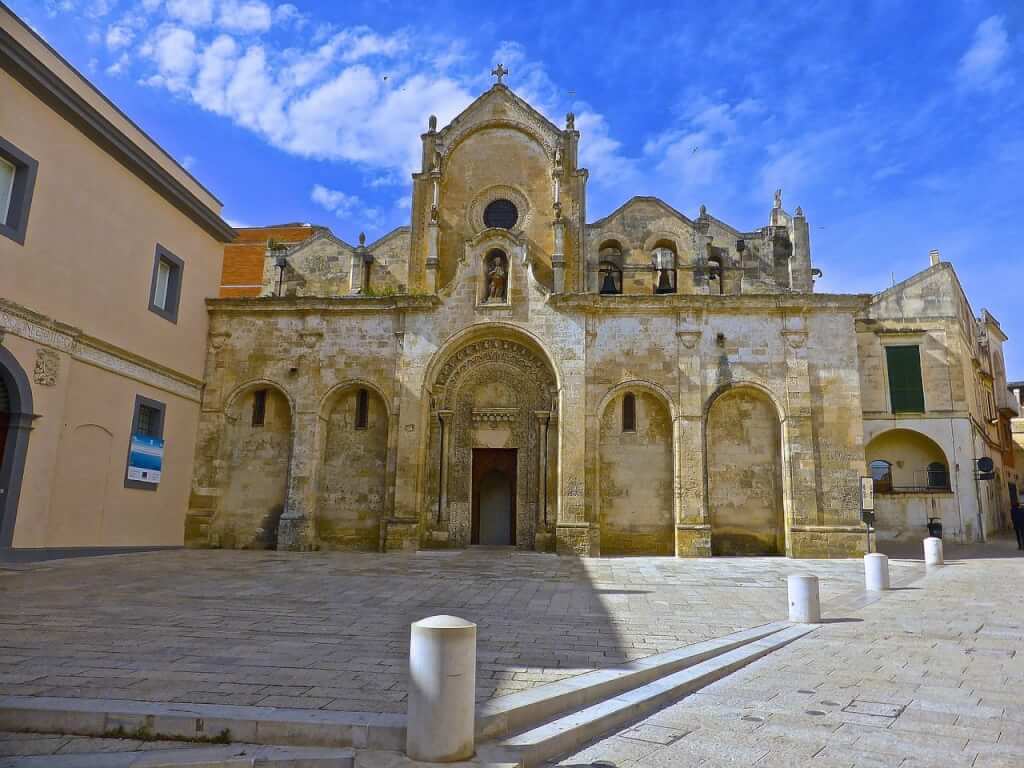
pixel 710 304
pixel 322 304
pixel 21 321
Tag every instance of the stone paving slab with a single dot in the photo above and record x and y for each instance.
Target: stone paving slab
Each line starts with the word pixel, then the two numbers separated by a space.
pixel 330 630
pixel 928 676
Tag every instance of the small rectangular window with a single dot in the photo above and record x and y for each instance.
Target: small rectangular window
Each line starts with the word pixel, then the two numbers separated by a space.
pixel 629 413
pixel 362 409
pixel 145 445
pixel 906 389
pixel 17 182
pixel 259 407
pixel 165 291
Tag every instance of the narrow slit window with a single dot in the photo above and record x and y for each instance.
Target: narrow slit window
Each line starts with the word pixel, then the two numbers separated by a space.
pixel 362 409
pixel 629 413
pixel 163 280
pixel 259 407
pixel 148 423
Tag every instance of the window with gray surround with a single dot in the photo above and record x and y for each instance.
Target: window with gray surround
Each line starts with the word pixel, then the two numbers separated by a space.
pixel 17 182
pixel 148 419
pixel 165 289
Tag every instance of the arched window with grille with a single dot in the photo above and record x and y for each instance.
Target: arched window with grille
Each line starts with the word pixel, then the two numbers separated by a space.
pixel 938 476
pixel 629 412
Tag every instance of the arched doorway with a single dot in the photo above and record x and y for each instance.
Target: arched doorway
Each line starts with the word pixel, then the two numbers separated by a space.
pixel 15 423
pixel 744 475
pixel 352 491
pixel 258 451
pixel 635 481
pixel 491 449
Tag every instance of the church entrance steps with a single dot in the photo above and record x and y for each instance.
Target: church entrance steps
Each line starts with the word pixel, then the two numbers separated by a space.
pixel 564 734
pixel 517 712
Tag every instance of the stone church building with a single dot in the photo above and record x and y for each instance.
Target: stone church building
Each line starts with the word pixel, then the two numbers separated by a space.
pixel 504 371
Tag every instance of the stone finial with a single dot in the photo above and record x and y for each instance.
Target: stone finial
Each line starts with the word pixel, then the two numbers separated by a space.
pixel 778 199
pixel 432 124
pixel 799 211
pixel 703 210
pixel 362 239
pixel 499 72
pixel 570 121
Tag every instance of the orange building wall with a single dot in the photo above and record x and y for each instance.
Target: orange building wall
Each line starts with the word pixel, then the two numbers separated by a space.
pixel 242 273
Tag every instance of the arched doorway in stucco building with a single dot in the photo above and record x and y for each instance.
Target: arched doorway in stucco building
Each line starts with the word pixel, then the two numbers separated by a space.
pixel 743 434
pixel 15 423
pixel 492 450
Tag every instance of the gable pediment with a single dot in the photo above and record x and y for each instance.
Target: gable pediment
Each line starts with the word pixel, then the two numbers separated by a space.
pixel 499 107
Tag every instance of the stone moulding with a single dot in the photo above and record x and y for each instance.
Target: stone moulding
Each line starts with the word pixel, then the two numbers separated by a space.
pixel 668 303
pixel 325 304
pixel 58 336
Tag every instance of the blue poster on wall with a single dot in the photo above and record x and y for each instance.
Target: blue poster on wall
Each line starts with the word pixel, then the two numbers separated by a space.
pixel 145 459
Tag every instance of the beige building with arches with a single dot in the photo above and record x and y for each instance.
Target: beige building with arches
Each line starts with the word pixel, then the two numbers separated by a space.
pixel 501 371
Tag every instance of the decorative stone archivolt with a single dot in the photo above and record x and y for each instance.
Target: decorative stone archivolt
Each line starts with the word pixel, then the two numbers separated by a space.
pixel 487 416
pixel 490 350
pixel 524 120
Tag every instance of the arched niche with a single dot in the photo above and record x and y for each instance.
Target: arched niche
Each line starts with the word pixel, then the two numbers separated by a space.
pixel 352 491
pixel 745 487
pixel 916 462
pixel 257 453
pixel 636 474
pixel 16 417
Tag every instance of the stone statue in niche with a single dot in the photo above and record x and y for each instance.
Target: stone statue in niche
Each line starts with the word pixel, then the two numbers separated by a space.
pixel 497 278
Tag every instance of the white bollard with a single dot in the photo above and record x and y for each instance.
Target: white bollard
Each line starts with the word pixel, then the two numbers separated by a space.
pixel 442 690
pixel 876 572
pixel 804 602
pixel 933 551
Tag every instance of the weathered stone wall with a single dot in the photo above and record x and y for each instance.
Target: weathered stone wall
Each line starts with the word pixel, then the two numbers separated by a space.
pixel 745 474
pixel 256 463
pixel 350 505
pixel 635 485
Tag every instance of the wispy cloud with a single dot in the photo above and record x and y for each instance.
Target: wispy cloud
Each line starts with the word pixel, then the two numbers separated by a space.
pixel 984 65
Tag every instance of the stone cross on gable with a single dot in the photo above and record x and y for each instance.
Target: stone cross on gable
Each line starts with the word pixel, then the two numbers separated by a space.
pixel 499 72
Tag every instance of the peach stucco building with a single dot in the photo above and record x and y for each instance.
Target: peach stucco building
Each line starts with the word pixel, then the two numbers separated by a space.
pixel 108 252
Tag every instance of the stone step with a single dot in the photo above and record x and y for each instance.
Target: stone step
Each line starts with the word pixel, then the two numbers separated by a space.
pixel 570 732
pixel 251 725
pixel 227 756
pixel 506 715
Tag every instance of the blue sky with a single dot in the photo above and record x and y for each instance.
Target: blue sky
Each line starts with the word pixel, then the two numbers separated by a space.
pixel 897 126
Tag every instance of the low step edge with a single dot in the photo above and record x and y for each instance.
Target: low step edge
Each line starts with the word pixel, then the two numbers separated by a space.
pixel 228 756
pixel 516 712
pixel 563 735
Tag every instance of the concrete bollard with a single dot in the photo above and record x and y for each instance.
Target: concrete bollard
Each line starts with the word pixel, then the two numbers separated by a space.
pixel 442 690
pixel 804 602
pixel 876 572
pixel 933 551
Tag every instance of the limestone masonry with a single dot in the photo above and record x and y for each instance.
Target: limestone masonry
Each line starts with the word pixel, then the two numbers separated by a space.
pixel 501 371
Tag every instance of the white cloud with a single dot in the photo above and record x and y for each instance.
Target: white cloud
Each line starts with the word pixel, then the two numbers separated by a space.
pixel 216 66
pixel 194 13
pixel 173 51
pixel 334 200
pixel 119 36
pixel 982 66
pixel 247 16
pixel 119 66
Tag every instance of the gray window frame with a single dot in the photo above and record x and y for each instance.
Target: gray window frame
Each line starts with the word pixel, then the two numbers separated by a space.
pixel 170 312
pixel 26 169
pixel 140 401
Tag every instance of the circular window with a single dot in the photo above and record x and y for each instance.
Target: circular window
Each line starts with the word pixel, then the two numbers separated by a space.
pixel 501 213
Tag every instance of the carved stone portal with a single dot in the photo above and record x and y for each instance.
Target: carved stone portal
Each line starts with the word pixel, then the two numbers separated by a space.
pixel 490 393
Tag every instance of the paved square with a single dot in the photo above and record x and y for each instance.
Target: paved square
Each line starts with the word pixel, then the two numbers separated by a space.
pixel 330 630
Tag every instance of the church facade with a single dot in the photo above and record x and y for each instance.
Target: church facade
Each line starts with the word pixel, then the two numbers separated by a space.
pixel 502 371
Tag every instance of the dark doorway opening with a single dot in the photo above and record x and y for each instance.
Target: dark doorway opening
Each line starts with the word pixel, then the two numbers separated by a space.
pixel 494 496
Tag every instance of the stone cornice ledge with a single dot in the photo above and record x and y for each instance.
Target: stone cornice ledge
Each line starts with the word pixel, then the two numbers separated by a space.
pixel 28 324
pixel 326 304
pixel 777 302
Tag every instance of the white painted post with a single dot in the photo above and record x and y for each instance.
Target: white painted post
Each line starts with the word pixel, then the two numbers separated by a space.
pixel 876 572
pixel 933 551
pixel 442 690
pixel 804 601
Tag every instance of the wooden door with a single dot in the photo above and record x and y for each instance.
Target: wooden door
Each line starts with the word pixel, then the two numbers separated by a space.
pixel 494 496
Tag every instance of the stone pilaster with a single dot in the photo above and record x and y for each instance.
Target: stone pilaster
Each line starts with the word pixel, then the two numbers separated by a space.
pixel 295 531
pixel 693 530
pixel 798 447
